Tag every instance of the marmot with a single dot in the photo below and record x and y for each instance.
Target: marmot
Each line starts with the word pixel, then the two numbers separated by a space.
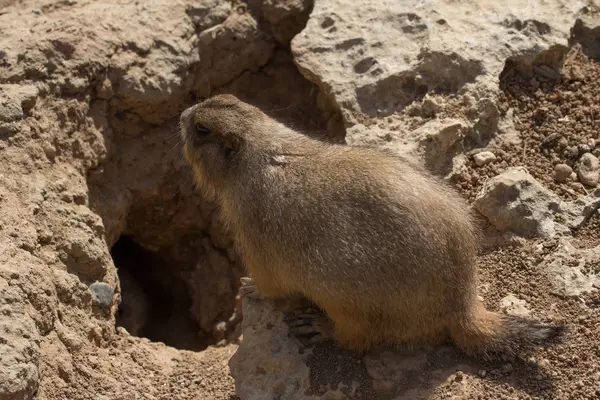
pixel 386 249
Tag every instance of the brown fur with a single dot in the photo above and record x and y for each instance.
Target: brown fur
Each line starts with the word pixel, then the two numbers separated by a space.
pixel 386 249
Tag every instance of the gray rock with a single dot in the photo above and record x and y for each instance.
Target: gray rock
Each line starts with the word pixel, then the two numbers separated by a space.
pixel 562 172
pixel 589 170
pixel 282 369
pixel 569 269
pixel 516 201
pixel 574 214
pixel 348 52
pixel 271 364
pixel 515 306
pixel 102 293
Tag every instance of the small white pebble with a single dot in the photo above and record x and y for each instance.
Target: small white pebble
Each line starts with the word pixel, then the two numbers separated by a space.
pixel 544 363
pixel 589 170
pixel 484 158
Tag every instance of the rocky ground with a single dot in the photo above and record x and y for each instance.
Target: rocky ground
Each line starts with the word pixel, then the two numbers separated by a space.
pixel 116 280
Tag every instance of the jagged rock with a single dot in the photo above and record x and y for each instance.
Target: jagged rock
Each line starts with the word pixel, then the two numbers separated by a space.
pixel 574 214
pixel 588 34
pixel 277 369
pixel 287 18
pixel 349 52
pixel 514 200
pixel 573 271
pixel 272 364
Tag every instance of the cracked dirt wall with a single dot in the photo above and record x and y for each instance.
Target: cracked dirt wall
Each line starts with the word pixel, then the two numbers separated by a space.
pixel 90 94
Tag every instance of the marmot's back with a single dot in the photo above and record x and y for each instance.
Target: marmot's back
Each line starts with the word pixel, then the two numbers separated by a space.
pixel 362 218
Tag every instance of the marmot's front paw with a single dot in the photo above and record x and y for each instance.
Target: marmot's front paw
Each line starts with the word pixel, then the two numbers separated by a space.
pixel 248 289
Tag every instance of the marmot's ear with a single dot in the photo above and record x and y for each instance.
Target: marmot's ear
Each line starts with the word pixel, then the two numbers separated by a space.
pixel 231 145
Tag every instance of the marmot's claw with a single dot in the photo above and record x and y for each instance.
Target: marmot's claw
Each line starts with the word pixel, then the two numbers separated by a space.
pixel 248 289
pixel 310 326
pixel 247 281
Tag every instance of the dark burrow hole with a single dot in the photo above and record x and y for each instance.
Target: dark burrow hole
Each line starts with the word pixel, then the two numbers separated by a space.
pixel 155 302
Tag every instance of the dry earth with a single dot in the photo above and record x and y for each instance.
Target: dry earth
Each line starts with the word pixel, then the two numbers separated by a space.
pixel 116 281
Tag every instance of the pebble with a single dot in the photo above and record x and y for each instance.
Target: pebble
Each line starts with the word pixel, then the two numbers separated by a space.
pixel 578 187
pixel 484 158
pixel 37 11
pixel 572 152
pixel 589 170
pixel 103 293
pixel 49 150
pixel 544 363
pixel 563 142
pixel 562 172
pixel 584 148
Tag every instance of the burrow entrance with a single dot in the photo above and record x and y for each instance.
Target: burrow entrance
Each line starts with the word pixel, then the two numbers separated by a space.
pixel 155 301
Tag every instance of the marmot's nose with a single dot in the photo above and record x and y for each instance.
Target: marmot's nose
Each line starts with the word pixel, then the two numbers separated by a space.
pixel 187 114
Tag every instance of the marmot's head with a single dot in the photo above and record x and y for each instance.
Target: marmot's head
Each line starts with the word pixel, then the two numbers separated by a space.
pixel 218 134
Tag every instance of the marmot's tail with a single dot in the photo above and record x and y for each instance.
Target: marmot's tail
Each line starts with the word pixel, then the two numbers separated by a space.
pixel 488 334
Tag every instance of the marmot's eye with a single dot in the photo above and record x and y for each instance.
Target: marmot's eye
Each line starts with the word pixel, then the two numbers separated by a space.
pixel 202 130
